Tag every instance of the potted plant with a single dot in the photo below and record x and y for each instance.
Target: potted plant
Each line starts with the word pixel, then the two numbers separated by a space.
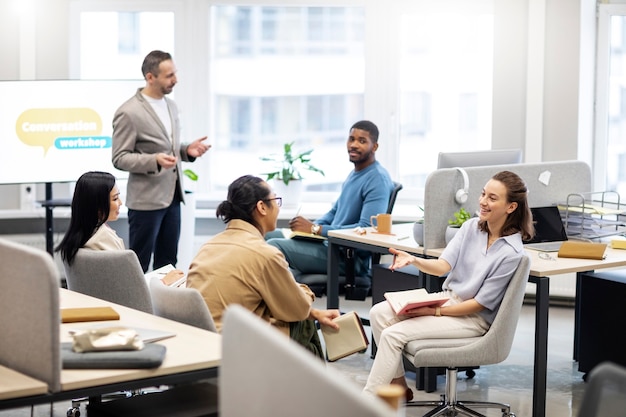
pixel 287 175
pixel 455 223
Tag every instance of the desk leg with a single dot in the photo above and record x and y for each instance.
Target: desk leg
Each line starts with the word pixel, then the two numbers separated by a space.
pixel 541 345
pixel 577 314
pixel 332 285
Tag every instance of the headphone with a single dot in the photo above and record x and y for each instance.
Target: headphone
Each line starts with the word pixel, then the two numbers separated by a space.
pixel 461 194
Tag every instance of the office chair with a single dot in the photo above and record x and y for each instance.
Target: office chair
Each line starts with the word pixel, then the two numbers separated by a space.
pixel 354 287
pixel 604 395
pixel 112 275
pixel 493 347
pixel 184 305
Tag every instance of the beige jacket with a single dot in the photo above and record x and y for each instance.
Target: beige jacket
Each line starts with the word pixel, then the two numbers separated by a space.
pixel 138 135
pixel 105 238
pixel 237 266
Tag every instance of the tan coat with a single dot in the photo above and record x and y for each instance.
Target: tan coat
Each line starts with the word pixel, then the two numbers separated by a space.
pixel 138 135
pixel 237 266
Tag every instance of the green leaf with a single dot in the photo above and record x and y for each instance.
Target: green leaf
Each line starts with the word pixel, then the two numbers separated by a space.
pixel 190 174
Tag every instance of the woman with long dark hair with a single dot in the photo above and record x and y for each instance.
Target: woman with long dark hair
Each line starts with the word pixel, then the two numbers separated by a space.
pixel 96 201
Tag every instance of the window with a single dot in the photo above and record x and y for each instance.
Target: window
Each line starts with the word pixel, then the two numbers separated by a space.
pixel 445 73
pixel 289 74
pixel 262 74
pixel 130 36
pixel 610 140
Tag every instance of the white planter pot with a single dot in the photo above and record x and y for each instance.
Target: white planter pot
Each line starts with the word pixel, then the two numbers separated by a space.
pixel 450 232
pixel 187 232
pixel 418 233
pixel 291 194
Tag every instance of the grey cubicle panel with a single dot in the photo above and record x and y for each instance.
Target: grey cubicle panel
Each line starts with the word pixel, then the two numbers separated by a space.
pixel 29 313
pixel 548 183
pixel 265 374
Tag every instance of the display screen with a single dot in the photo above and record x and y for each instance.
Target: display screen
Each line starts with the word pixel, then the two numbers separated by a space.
pixel 54 131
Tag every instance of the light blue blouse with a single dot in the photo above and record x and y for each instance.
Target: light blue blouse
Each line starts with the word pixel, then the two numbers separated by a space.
pixel 478 272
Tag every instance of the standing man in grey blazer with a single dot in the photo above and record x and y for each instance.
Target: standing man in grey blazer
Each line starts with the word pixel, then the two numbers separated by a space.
pixel 146 143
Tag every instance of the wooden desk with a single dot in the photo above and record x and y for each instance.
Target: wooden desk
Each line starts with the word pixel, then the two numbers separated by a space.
pixel 540 271
pixel 193 354
pixel 14 385
pixel 401 238
pixel 191 350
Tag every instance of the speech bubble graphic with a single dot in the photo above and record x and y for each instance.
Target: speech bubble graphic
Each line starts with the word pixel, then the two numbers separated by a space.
pixel 40 127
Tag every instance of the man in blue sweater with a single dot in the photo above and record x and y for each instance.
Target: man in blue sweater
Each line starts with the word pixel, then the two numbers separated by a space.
pixel 364 193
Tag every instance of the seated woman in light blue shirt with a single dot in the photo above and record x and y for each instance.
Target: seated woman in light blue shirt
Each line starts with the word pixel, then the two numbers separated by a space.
pixel 480 261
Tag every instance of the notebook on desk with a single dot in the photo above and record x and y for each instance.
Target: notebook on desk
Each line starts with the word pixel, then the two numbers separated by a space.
pixel 549 230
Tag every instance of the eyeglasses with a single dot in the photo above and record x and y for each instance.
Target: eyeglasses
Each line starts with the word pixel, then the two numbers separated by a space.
pixel 546 256
pixel 279 200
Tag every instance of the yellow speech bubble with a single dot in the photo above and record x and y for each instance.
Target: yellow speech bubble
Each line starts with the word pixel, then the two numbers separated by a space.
pixel 40 127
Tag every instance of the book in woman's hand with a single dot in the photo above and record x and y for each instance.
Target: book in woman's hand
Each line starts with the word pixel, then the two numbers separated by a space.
pixel 349 339
pixel 403 301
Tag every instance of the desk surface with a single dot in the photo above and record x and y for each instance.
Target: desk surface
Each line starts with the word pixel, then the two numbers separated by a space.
pixel 190 350
pixel 401 237
pixel 15 385
pixel 546 267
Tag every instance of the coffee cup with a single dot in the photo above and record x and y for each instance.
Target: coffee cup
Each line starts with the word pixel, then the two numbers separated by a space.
pixel 381 223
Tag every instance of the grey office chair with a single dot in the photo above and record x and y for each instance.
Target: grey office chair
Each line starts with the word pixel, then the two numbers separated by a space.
pixel 493 347
pixel 112 275
pixel 184 305
pixel 354 287
pixel 604 395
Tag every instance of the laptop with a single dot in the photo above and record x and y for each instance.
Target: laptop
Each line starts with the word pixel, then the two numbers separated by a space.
pixel 549 230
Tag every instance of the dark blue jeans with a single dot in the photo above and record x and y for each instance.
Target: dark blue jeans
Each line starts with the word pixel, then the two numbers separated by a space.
pixel 155 232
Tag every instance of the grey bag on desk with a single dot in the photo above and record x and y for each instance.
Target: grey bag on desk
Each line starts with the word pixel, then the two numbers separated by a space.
pixel 151 356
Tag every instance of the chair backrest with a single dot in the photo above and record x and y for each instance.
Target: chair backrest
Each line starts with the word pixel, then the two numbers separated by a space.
pixel 394 194
pixel 280 378
pixel 29 308
pixel 495 345
pixel 112 275
pixel 604 394
pixel 184 305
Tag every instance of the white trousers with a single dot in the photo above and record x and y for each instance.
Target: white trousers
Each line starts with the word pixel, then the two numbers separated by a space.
pixel 392 333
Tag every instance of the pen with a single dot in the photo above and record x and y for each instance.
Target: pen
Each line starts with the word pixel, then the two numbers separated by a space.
pixel 298 211
pixel 403 237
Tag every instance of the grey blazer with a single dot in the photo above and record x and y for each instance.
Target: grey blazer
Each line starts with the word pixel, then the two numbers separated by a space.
pixel 138 135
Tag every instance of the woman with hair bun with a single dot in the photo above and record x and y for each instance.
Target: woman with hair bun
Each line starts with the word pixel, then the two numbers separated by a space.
pixel 237 266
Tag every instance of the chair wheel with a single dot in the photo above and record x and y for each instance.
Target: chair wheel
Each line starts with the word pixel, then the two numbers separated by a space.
pixel 470 373
pixel 508 414
pixel 73 412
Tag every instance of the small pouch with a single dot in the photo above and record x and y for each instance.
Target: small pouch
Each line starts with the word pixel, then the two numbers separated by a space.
pixel 583 250
pixel 106 339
